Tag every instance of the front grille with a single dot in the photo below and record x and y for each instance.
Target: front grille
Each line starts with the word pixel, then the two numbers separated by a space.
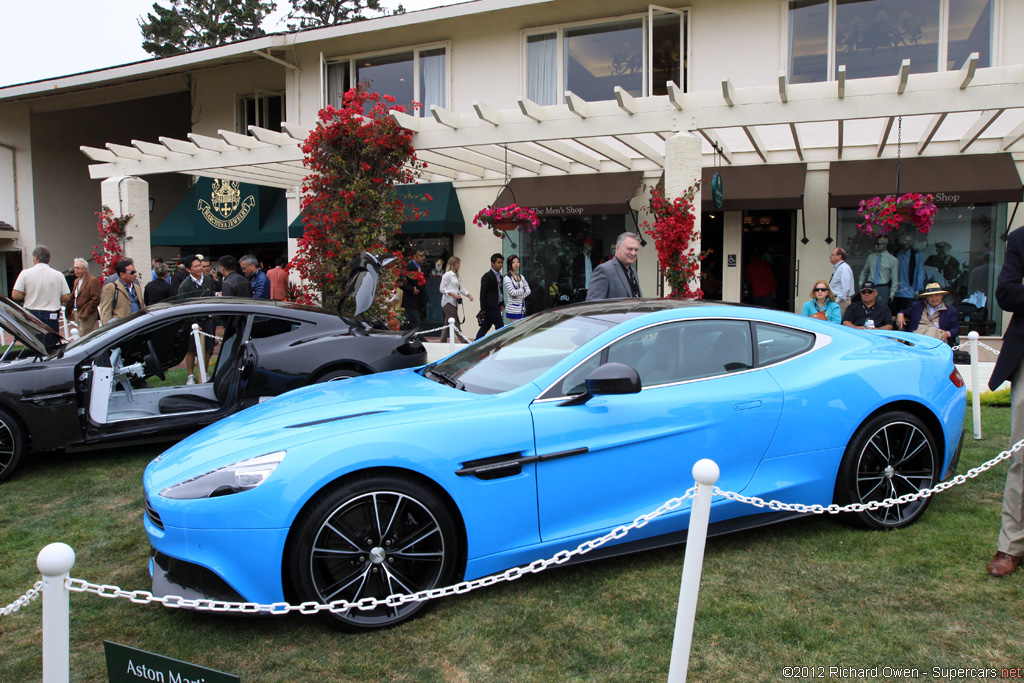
pixel 152 514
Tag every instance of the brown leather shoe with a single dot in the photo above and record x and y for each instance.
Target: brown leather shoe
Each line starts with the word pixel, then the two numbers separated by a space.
pixel 1003 564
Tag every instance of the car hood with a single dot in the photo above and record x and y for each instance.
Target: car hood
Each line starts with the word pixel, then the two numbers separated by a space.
pixel 23 326
pixel 332 409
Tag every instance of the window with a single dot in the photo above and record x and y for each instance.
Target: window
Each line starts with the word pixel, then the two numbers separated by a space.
pixel 872 37
pixel 265 110
pixel 265 326
pixel 775 343
pixel 637 54
pixel 419 75
pixel 961 252
pixel 673 352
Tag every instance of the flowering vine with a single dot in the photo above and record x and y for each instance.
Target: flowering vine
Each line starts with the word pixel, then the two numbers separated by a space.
pixel 524 218
pixel 356 156
pixel 882 214
pixel 674 235
pixel 113 234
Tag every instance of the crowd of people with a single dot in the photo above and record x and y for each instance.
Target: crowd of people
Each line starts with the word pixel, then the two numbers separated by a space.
pixel 926 312
pixel 505 290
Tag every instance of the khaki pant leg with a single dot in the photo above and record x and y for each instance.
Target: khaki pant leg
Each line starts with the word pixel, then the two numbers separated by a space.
pixel 1011 534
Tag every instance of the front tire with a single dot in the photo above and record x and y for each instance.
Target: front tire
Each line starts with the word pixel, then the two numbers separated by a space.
pixel 338 375
pixel 373 537
pixel 892 454
pixel 12 445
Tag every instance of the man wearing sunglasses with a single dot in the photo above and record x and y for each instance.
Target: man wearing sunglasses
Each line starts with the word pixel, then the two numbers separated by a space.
pixel 123 296
pixel 868 313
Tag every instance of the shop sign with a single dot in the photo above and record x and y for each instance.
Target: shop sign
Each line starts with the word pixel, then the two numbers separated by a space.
pixel 226 209
pixel 717 191
pixel 943 198
pixel 128 665
pixel 545 211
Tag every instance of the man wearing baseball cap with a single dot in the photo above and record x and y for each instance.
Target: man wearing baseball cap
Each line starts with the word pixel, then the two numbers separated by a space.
pixel 868 313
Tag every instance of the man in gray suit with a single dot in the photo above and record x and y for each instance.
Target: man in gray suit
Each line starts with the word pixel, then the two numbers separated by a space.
pixel 616 278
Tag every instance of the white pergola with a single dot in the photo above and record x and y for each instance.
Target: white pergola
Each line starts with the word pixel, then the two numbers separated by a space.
pixel 970 111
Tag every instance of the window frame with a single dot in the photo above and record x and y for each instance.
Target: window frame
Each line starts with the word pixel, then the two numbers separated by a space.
pixel 942 56
pixel 821 340
pixel 261 98
pixel 647 31
pixel 416 50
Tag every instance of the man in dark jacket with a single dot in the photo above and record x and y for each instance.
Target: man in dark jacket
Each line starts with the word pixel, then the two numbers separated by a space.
pixel 196 285
pixel 492 297
pixel 160 287
pixel 232 282
pixel 414 291
pixel 259 280
pixel 928 315
pixel 1010 297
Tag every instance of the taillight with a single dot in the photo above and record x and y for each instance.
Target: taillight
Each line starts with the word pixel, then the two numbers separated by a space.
pixel 956 379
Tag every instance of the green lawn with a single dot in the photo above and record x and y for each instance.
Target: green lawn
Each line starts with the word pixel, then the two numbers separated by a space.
pixel 806 593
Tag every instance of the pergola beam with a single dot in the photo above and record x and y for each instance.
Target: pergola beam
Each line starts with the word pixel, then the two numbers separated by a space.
pixel 968 69
pixel 979 127
pixel 886 129
pixel 929 132
pixel 1013 136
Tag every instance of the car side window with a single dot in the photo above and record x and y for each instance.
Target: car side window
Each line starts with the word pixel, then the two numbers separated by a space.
pixel 264 326
pixel 776 343
pixel 673 352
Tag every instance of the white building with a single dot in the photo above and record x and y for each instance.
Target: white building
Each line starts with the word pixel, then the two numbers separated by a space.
pixel 803 106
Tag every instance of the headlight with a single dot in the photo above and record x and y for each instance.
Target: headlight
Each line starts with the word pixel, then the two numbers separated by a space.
pixel 233 478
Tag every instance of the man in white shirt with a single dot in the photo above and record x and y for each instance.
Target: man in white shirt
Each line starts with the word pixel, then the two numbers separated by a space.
pixel 842 278
pixel 42 291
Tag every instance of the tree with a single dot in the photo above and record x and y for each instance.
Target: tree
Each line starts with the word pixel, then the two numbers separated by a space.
pixel 317 13
pixel 193 24
pixel 356 157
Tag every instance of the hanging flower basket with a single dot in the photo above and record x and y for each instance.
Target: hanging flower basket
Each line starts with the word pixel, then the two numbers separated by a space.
pixel 883 214
pixel 501 219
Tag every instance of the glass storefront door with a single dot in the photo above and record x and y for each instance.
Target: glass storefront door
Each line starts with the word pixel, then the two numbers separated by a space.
pixel 768 247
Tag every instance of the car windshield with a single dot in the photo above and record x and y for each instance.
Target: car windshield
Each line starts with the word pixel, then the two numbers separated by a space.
pixel 519 353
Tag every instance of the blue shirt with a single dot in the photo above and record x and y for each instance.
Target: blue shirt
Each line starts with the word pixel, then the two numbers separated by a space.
pixel 831 310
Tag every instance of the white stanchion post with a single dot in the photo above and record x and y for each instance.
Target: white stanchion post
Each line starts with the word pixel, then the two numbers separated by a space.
pixel 200 352
pixel 705 473
pixel 975 389
pixel 64 323
pixel 54 562
pixel 451 335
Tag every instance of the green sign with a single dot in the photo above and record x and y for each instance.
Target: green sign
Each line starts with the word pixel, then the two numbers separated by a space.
pixel 128 665
pixel 717 192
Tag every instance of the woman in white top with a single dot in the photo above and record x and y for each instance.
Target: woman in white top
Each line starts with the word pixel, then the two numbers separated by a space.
pixel 516 290
pixel 452 292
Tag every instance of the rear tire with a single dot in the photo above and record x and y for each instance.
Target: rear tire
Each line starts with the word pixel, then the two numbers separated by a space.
pixel 892 454
pixel 12 445
pixel 373 537
pixel 338 375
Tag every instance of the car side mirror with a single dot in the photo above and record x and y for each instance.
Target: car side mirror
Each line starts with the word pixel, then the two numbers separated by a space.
pixel 610 378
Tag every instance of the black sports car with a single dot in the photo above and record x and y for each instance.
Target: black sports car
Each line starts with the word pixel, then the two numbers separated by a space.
pixel 97 390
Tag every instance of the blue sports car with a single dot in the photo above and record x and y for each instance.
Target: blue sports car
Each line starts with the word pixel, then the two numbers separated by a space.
pixel 545 434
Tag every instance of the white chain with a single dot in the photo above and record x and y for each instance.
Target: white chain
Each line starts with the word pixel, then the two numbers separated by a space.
pixel 986 346
pixel 441 329
pixel 211 336
pixel 203 604
pixel 394 600
pixel 28 597
pixel 834 509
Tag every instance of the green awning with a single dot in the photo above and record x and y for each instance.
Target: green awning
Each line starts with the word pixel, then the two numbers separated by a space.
pixel 220 212
pixel 443 213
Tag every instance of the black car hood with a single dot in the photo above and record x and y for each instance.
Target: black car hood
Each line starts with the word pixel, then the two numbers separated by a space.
pixel 23 326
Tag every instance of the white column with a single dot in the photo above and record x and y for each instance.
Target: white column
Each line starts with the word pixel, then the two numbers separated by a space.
pixel 129 194
pixel 683 169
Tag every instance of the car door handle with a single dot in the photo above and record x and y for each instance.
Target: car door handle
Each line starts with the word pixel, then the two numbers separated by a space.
pixel 747 405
